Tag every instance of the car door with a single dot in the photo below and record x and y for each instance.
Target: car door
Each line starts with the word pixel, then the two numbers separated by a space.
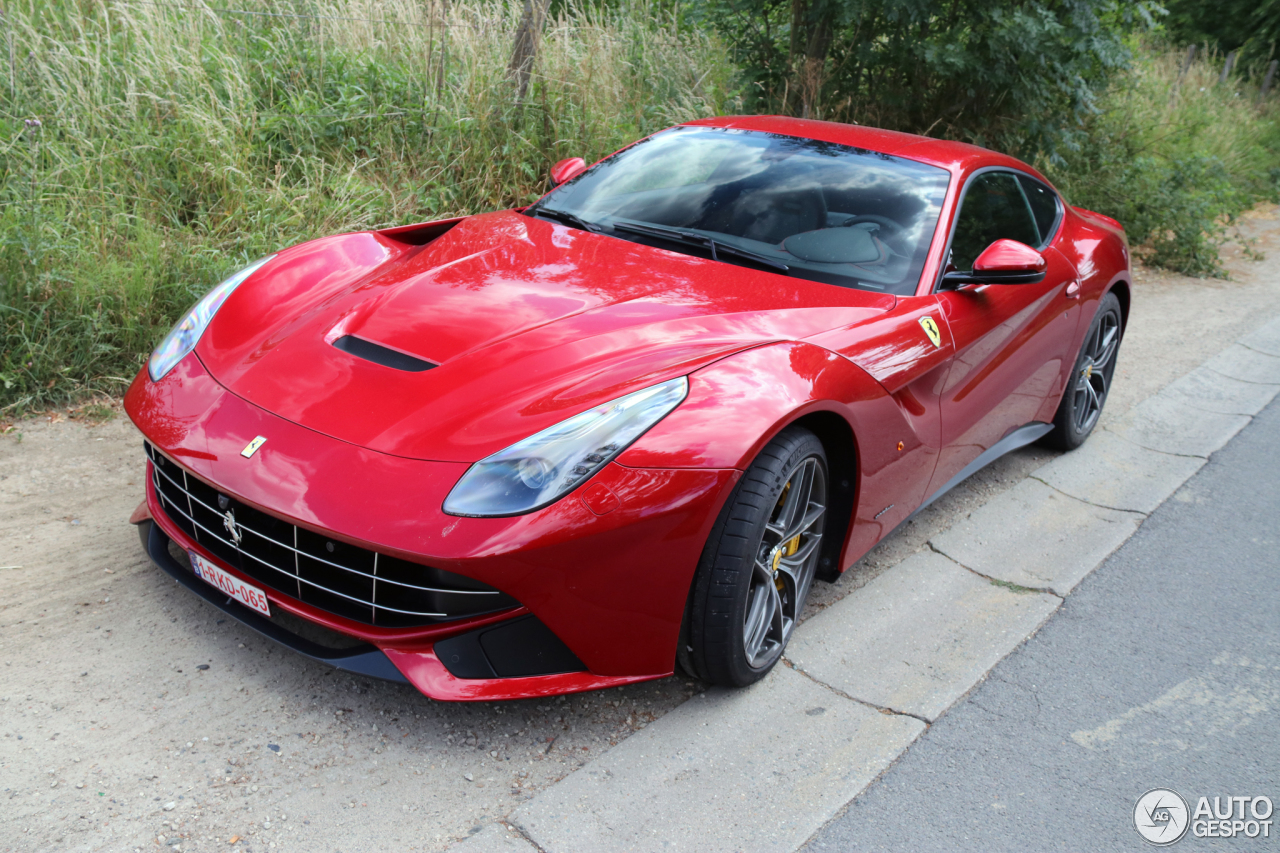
pixel 1010 340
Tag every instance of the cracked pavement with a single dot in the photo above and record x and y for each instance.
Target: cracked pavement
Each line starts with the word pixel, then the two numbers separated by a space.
pixel 1162 669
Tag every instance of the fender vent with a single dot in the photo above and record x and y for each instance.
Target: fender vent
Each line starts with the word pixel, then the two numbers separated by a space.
pixel 379 354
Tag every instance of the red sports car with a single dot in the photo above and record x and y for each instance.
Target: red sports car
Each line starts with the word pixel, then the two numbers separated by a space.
pixel 573 445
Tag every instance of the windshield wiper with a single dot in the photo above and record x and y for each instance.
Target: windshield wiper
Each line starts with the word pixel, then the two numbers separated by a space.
pixel 566 217
pixel 717 248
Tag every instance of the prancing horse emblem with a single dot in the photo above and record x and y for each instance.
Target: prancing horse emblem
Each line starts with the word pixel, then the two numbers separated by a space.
pixel 229 522
pixel 930 327
pixel 252 447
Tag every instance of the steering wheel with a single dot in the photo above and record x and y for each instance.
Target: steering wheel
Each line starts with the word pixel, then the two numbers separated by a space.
pixel 885 222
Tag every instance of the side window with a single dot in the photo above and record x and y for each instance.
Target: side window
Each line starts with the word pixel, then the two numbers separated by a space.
pixel 1044 205
pixel 994 208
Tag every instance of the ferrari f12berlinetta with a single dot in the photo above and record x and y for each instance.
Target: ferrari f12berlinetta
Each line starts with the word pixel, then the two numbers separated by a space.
pixel 625 428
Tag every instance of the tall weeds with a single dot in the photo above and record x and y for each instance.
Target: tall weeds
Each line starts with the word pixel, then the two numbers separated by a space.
pixel 148 147
pixel 1174 156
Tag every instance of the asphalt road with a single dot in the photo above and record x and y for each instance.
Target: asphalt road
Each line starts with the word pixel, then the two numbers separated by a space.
pixel 1161 670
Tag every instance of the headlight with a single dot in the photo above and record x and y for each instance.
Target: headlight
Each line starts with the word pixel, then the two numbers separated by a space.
pixel 532 473
pixel 182 338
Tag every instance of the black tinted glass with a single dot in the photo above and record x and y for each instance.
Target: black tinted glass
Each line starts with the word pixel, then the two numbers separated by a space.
pixel 828 212
pixel 993 209
pixel 1044 206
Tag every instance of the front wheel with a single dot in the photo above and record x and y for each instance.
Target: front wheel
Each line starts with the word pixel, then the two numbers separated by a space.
pixel 758 564
pixel 1090 381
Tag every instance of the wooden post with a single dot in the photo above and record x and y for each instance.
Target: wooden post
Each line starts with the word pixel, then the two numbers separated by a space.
pixel 1182 72
pixel 525 49
pixel 444 49
pixel 1266 81
pixel 8 30
pixel 1226 68
pixel 1186 63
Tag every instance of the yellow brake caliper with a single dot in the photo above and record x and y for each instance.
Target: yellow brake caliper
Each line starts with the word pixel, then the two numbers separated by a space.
pixel 788 549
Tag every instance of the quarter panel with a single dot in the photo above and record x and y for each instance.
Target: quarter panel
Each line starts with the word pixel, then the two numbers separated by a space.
pixel 1099 251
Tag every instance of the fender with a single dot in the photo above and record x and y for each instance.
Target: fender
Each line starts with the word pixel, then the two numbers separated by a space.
pixel 732 412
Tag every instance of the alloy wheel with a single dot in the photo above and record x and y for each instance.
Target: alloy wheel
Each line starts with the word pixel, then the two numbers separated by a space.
pixel 1093 378
pixel 785 563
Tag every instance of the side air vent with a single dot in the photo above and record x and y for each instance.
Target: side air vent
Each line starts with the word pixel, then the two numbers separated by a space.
pixel 379 354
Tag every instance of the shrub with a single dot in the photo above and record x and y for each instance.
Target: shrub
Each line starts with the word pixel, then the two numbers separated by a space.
pixel 1174 156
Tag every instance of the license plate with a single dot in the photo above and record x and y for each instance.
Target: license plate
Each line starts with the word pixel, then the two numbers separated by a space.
pixel 247 594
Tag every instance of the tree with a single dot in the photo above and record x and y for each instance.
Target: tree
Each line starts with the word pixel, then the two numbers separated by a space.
pixel 1016 74
pixel 812 29
pixel 1249 26
pixel 525 49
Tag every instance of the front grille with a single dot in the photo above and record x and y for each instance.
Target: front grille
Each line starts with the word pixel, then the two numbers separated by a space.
pixel 352 582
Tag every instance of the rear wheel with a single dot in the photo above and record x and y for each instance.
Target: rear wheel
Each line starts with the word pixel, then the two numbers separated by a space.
pixel 758 564
pixel 1090 381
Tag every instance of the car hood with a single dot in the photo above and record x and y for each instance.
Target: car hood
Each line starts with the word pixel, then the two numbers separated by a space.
pixel 527 322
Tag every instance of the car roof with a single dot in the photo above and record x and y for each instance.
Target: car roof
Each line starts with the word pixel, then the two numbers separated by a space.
pixel 956 157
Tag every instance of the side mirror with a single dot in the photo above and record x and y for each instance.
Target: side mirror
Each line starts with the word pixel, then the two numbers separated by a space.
pixel 1003 262
pixel 567 169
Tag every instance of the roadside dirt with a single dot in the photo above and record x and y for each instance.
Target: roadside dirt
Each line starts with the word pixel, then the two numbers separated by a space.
pixel 135 717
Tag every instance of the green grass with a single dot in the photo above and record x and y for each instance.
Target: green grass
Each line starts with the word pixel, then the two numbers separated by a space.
pixel 1013 587
pixel 177 143
pixel 1175 157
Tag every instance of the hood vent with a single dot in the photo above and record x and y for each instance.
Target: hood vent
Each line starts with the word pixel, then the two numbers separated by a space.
pixel 379 354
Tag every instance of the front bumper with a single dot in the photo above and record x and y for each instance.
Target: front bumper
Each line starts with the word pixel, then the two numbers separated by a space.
pixel 364 659
pixel 611 585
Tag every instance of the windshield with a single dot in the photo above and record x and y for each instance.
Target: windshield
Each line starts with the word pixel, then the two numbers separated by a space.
pixel 805 208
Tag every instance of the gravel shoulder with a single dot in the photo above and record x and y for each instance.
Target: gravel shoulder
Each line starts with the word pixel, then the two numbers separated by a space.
pixel 115 738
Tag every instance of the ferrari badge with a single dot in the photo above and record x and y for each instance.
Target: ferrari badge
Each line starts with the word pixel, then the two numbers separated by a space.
pixel 252 447
pixel 229 522
pixel 931 329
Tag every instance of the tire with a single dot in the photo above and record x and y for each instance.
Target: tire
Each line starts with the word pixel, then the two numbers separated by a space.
pixel 1090 381
pixel 758 564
